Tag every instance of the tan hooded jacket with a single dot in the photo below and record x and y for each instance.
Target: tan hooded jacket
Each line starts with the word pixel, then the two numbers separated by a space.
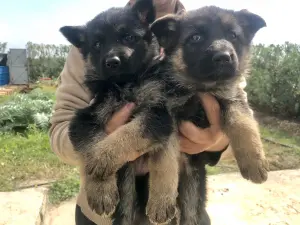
pixel 72 95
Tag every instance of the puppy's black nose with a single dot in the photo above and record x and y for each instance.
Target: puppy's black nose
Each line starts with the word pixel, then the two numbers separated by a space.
pixel 113 62
pixel 222 57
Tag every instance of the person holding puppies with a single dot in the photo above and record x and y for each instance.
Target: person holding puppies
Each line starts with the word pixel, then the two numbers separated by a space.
pixel 72 95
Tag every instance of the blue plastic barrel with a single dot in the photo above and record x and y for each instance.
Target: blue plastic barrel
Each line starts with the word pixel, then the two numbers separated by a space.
pixel 4 75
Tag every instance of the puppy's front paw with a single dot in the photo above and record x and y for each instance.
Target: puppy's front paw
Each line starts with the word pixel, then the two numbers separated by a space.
pixel 102 197
pixel 161 211
pixel 254 169
pixel 101 165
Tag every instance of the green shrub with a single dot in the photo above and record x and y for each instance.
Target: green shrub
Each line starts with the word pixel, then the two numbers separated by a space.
pixel 64 189
pixel 24 109
pixel 274 84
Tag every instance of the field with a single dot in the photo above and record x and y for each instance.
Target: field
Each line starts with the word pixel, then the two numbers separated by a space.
pixel 27 160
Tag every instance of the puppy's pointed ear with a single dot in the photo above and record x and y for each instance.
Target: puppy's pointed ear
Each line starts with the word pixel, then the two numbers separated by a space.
pixel 250 22
pixel 166 30
pixel 74 34
pixel 145 10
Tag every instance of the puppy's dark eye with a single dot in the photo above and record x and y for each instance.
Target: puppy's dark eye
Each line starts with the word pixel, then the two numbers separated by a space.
pixel 130 39
pixel 97 45
pixel 233 35
pixel 196 38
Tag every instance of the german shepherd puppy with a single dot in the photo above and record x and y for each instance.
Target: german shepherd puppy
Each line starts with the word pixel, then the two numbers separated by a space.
pixel 118 48
pixel 207 50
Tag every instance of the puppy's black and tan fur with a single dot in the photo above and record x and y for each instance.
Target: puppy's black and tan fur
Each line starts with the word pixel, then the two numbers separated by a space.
pixel 206 50
pixel 209 52
pixel 118 48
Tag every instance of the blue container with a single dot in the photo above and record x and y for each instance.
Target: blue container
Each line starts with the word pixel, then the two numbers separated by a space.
pixel 4 75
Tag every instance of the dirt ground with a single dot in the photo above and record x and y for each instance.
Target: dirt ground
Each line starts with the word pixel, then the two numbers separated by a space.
pixel 292 127
pixel 275 202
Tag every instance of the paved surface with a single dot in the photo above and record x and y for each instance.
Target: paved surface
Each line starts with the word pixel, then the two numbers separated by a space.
pixel 235 201
pixel 62 215
pixel 232 201
pixel 23 207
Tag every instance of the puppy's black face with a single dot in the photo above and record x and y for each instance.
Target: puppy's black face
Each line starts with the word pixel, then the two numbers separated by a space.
pixel 210 45
pixel 117 42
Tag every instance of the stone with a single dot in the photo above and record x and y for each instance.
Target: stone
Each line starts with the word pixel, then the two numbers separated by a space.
pixel 62 214
pixel 233 200
pixel 25 207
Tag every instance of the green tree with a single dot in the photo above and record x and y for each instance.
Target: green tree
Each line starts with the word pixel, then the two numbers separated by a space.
pixel 46 60
pixel 3 46
pixel 274 83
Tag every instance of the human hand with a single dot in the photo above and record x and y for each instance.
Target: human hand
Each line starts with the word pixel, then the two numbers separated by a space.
pixel 119 119
pixel 194 140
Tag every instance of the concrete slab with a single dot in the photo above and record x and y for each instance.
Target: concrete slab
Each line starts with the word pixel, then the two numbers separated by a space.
pixel 24 207
pixel 233 201
pixel 63 214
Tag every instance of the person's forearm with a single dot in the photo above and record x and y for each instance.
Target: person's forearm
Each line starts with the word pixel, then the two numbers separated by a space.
pixel 61 145
pixel 70 96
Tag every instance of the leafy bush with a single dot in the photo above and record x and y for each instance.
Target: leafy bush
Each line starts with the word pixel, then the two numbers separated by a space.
pixel 63 190
pixel 25 109
pixel 3 47
pixel 274 84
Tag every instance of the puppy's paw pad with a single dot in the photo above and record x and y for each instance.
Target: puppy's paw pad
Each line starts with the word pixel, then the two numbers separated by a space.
pixel 256 171
pixel 103 205
pixel 161 212
pixel 103 202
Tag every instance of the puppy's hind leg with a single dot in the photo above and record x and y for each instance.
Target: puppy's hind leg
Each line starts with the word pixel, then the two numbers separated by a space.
pixel 192 191
pixel 163 183
pixel 124 214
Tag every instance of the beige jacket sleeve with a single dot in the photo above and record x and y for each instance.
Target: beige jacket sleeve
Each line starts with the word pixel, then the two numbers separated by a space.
pixel 70 95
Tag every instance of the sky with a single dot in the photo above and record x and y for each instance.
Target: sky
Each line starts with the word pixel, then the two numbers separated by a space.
pixel 38 21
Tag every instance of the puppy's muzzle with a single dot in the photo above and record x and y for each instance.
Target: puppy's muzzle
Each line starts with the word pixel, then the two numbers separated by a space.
pixel 112 63
pixel 222 58
pixel 222 52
